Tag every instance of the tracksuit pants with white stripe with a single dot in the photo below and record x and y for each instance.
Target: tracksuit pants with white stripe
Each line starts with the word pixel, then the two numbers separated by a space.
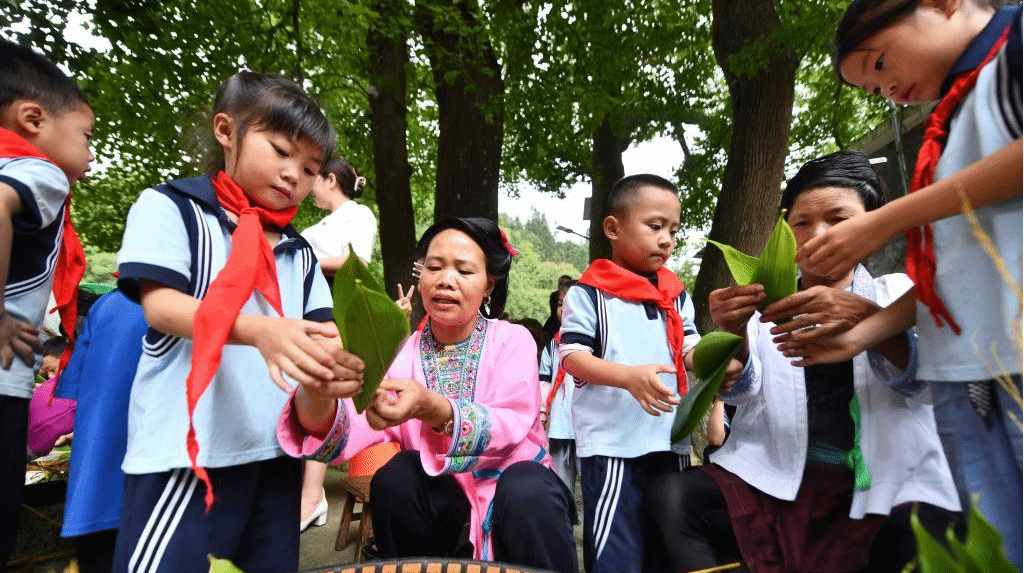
pixel 253 522
pixel 614 528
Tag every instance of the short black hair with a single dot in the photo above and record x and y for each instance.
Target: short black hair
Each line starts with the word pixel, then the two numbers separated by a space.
pixel 863 19
pixel 55 346
pixel 625 190
pixel 273 103
pixel 27 75
pixel 489 237
pixel 849 169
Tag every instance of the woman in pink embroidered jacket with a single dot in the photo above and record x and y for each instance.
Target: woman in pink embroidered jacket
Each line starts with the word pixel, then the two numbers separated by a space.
pixel 462 400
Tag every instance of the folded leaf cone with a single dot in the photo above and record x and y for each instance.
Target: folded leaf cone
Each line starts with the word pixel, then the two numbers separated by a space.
pixel 370 324
pixel 710 362
pixel 775 268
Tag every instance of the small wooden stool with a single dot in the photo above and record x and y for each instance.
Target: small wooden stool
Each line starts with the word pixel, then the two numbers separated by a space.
pixel 358 490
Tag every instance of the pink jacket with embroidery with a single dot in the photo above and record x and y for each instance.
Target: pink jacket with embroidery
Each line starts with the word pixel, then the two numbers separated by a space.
pixel 496 424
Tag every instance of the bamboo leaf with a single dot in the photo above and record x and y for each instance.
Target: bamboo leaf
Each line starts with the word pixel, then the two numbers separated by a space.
pixel 742 266
pixel 985 544
pixel 222 565
pixel 775 268
pixel 370 324
pixel 375 329
pixel 710 362
pixel 777 271
pixel 930 553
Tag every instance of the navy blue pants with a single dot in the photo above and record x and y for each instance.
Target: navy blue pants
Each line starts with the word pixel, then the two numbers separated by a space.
pixel 253 522
pixel 419 515
pixel 614 533
pixel 13 454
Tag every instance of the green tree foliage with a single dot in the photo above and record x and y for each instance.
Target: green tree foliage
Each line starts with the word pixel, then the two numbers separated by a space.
pixel 567 77
pixel 534 274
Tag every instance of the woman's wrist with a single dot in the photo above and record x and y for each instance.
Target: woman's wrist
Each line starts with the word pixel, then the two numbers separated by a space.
pixel 441 416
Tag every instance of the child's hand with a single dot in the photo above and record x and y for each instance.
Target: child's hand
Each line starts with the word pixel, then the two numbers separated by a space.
pixel 645 385
pixel 348 372
pixel 17 338
pixel 398 400
pixel 732 374
pixel 732 307
pixel 64 440
pixel 404 301
pixel 838 250
pixel 288 346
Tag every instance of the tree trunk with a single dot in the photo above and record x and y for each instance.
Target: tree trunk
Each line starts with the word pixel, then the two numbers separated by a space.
pixel 606 168
pixel 762 108
pixel 388 59
pixel 470 98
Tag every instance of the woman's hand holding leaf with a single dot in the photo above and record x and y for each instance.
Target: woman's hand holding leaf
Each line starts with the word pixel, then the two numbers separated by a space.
pixel 732 307
pixel 816 313
pixel 400 399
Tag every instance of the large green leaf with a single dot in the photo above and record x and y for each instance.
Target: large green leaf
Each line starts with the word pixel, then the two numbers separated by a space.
pixel 370 324
pixel 985 544
pixel 775 268
pixel 710 362
pixel 931 555
pixel 352 271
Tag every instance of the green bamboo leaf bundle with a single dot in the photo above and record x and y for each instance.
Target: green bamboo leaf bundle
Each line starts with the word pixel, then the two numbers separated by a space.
pixel 370 324
pixel 775 268
pixel 710 361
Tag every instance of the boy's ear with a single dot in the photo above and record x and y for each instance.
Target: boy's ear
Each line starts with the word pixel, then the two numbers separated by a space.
pixel 224 129
pixel 28 118
pixel 610 226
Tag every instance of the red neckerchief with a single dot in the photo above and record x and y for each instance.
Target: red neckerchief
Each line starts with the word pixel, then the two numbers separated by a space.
pixel 71 259
pixel 250 267
pixel 559 377
pixel 920 244
pixel 617 281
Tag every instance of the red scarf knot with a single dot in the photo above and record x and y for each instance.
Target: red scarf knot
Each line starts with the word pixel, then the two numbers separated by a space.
pixel 621 283
pixel 920 242
pixel 70 260
pixel 250 268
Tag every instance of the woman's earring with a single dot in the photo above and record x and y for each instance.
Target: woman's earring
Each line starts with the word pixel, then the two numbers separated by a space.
pixel 487 300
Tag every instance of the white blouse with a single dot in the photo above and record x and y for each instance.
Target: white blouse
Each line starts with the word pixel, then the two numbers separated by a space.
pixel 351 224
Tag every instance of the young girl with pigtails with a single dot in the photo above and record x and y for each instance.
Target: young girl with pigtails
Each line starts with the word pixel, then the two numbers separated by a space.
pixel 238 312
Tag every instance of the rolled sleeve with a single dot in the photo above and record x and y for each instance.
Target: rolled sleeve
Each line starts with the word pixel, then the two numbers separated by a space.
pixel 903 381
pixel 297 443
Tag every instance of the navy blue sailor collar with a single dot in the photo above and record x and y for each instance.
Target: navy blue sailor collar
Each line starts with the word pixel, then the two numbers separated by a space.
pixel 982 43
pixel 201 189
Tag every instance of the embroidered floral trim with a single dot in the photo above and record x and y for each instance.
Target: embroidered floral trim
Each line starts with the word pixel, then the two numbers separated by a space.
pixel 335 440
pixel 472 434
pixel 451 370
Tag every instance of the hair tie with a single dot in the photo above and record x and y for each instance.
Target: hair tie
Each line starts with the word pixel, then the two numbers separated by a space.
pixel 359 184
pixel 504 242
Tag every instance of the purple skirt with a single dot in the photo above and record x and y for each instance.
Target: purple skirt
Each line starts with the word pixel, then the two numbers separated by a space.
pixel 811 534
